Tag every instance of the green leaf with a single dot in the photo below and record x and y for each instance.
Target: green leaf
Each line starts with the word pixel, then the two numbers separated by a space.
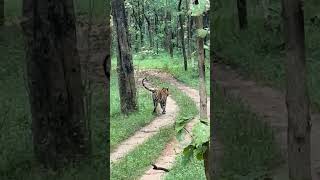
pixel 202 33
pixel 187 154
pixel 201 134
pixel 202 7
pixel 180 135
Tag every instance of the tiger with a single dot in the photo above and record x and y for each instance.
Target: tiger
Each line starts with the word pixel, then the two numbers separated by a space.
pixel 159 96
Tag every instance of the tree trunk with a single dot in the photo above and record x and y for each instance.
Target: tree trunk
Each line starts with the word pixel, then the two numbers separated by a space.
pixel 201 66
pixel 202 83
pixel 107 69
pixel 206 164
pixel 127 87
pixel 60 135
pixel 189 29
pixel 169 35
pixel 181 21
pixel 266 14
pixel 1 12
pixel 242 13
pixel 297 97
pixel 149 27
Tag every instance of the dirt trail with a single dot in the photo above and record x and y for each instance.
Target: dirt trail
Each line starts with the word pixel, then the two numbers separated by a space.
pixel 270 104
pixel 146 132
pixel 173 148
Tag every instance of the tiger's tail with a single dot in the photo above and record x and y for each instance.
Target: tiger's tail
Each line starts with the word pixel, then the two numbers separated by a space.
pixel 152 90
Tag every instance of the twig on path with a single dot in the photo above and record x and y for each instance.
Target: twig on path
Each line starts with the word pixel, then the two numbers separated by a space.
pixel 159 168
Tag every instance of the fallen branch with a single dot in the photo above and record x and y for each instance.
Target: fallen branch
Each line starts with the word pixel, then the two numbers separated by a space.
pixel 159 168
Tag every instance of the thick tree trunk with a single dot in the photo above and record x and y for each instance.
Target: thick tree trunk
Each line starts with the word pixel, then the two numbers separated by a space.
pixel 297 97
pixel 56 94
pixel 107 69
pixel 181 21
pixel 127 87
pixel 242 13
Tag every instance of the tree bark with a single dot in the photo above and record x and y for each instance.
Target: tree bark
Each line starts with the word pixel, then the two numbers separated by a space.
pixel 297 97
pixel 242 13
pixel 189 29
pixel 107 69
pixel 201 66
pixel 181 21
pixel 202 83
pixel 2 12
pixel 127 88
pixel 266 14
pixel 60 135
pixel 149 27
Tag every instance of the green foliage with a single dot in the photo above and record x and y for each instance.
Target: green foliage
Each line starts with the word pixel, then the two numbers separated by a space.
pixel 199 9
pixel 202 33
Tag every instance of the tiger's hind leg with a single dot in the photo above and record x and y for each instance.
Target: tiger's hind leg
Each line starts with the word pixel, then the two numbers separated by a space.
pixel 155 104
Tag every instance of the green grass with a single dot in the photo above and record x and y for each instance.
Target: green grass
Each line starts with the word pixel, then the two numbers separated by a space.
pixel 123 126
pixel 250 150
pixel 193 170
pixel 256 52
pixel 16 156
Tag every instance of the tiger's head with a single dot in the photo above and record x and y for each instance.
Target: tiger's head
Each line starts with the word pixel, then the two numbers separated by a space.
pixel 165 91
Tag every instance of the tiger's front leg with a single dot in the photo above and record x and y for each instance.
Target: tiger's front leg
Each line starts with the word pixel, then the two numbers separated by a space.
pixel 163 107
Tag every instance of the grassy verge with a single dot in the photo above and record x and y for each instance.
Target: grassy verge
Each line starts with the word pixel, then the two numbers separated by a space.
pixel 128 168
pixel 123 126
pixel 193 170
pixel 17 160
pixel 250 150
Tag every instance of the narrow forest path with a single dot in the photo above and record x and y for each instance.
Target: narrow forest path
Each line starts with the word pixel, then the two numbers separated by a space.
pixel 146 132
pixel 173 148
pixel 270 105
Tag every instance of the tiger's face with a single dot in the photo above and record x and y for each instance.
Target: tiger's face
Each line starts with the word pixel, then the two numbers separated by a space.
pixel 165 91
